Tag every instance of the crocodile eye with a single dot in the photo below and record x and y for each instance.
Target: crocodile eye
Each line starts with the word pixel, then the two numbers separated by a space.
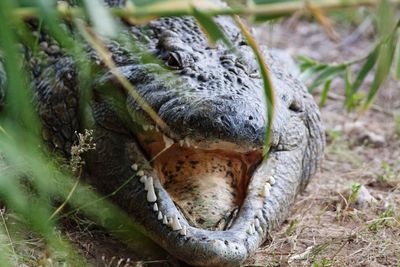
pixel 174 61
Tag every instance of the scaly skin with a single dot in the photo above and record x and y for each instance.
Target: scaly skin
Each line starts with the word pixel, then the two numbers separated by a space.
pixel 213 95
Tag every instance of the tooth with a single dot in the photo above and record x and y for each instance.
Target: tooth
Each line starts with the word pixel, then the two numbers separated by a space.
pixel 272 180
pixel 157 129
pixel 259 214
pixel 143 179
pixel 253 229
pixel 155 207
pixel 148 183
pixel 175 223
pixel 257 223
pixel 267 187
pixel 181 142
pixel 183 231
pixel 134 167
pixel 151 195
pixel 187 141
pixel 249 230
pixel 165 220
pixel 159 216
pixel 146 127
pixel 151 127
pixel 140 173
pixel 168 141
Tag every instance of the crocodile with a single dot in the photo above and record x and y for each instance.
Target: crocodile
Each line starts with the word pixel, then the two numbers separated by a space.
pixel 204 191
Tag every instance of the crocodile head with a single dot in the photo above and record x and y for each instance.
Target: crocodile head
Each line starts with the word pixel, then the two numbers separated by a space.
pixel 203 190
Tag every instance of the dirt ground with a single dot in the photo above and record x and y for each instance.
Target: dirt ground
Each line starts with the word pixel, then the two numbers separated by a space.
pixel 327 227
pixel 330 225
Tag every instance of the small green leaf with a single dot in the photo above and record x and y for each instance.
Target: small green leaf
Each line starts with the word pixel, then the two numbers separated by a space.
pixel 397 74
pixel 347 80
pixel 327 74
pixel 355 189
pixel 267 81
pixel 213 31
pixel 349 101
pixel 306 62
pixel 366 68
pixel 325 92
pixel 308 73
pixel 385 60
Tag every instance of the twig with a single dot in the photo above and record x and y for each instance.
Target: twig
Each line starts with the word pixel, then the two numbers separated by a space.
pixel 7 231
pixel 377 220
pixel 104 197
pixel 340 249
pixel 106 57
pixel 58 210
pixel 185 8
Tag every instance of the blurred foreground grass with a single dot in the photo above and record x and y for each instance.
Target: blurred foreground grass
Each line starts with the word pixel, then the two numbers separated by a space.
pixel 35 185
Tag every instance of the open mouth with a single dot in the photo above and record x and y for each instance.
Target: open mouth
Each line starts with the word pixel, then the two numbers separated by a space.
pixel 207 181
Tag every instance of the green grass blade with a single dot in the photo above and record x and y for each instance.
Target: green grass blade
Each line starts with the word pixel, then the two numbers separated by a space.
pixel 6 252
pixel 212 30
pixel 385 60
pixel 306 62
pixel 327 74
pixel 267 81
pixel 310 72
pixel 53 22
pixel 387 27
pixel 18 96
pixel 348 89
pixel 366 68
pixel 325 91
pixel 397 58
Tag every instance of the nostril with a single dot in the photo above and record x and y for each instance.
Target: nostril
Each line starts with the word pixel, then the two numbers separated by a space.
pixel 203 77
pixel 251 118
pixel 295 106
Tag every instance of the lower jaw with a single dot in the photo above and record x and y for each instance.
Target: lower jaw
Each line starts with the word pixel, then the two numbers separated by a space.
pixel 270 193
pixel 207 186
